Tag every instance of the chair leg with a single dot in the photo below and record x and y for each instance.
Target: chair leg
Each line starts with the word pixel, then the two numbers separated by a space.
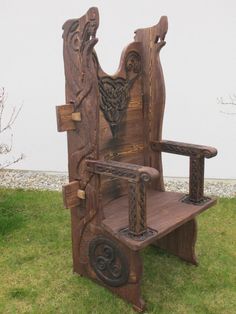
pixel 181 242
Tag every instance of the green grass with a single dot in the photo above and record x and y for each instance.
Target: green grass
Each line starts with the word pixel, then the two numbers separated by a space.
pixel 36 265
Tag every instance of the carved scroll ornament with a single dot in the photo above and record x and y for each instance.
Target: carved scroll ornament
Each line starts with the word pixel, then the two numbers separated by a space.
pixel 108 262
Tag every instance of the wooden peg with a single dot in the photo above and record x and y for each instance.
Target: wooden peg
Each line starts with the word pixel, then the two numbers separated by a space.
pixel 81 194
pixel 76 116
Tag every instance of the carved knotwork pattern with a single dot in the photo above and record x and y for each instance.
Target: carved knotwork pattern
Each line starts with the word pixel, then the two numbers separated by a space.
pixel 132 207
pixel 114 92
pixel 140 237
pixel 196 186
pixel 142 202
pixel 196 178
pixel 137 207
pixel 108 261
pixel 181 150
pixel 174 149
pixel 116 172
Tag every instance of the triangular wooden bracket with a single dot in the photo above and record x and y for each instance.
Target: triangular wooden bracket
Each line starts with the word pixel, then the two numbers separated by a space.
pixel 66 117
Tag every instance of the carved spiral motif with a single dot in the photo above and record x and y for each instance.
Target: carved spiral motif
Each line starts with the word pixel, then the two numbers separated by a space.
pixel 108 262
pixel 145 177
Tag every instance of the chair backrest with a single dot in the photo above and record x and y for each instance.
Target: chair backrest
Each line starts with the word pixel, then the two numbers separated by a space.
pixel 120 114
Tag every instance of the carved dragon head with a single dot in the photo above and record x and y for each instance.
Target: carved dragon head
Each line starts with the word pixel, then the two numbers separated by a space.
pixel 80 34
pixel 157 33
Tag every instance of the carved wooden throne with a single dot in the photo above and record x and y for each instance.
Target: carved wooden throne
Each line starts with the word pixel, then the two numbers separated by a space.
pixel 116 193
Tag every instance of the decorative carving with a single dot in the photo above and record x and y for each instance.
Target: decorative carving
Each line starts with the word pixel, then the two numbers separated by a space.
pixel 130 172
pixel 186 199
pixel 81 86
pixel 184 149
pixel 137 207
pixel 138 177
pixel 114 92
pixel 132 206
pixel 196 184
pixel 79 41
pixel 115 169
pixel 108 262
pixel 140 237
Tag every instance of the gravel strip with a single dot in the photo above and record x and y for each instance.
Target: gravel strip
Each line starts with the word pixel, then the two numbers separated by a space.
pixel 41 180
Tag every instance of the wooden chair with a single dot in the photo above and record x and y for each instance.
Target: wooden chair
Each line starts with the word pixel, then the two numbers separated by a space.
pixel 114 129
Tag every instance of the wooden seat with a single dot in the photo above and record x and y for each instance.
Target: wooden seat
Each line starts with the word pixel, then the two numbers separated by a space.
pixel 165 213
pixel 116 192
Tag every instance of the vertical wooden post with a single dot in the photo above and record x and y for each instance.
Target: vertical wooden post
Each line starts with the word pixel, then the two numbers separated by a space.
pixel 137 208
pixel 196 182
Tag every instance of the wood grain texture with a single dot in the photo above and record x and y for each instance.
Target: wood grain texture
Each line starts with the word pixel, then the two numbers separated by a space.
pixel 79 39
pixel 165 212
pixel 184 149
pixel 127 144
pixel 114 135
pixel 64 118
pixel 70 194
pixel 197 153
pixel 138 177
pixel 181 242
pixel 152 40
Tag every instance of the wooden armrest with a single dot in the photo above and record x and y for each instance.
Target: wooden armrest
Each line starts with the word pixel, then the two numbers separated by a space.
pixel 127 171
pixel 137 176
pixel 197 154
pixel 184 149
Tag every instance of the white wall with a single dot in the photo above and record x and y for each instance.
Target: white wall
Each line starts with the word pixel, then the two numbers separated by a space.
pixel 199 63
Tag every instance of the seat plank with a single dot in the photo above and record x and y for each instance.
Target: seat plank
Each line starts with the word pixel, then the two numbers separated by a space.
pixel 165 212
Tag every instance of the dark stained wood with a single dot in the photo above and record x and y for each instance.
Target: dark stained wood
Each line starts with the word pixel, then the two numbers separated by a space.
pixel 138 177
pixel 197 153
pixel 152 40
pixel 70 194
pixel 165 212
pixel 64 118
pixel 196 180
pixel 114 136
pixel 184 149
pixel 127 142
pixel 181 242
pixel 82 93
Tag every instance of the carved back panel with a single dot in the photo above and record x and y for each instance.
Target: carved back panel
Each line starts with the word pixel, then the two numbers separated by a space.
pixel 119 114
pixel 132 107
pixel 121 128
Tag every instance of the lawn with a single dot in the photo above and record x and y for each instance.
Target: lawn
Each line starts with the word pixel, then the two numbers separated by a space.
pixel 35 264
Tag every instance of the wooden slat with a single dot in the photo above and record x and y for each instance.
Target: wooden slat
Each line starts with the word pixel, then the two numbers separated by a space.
pixel 70 194
pixel 165 212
